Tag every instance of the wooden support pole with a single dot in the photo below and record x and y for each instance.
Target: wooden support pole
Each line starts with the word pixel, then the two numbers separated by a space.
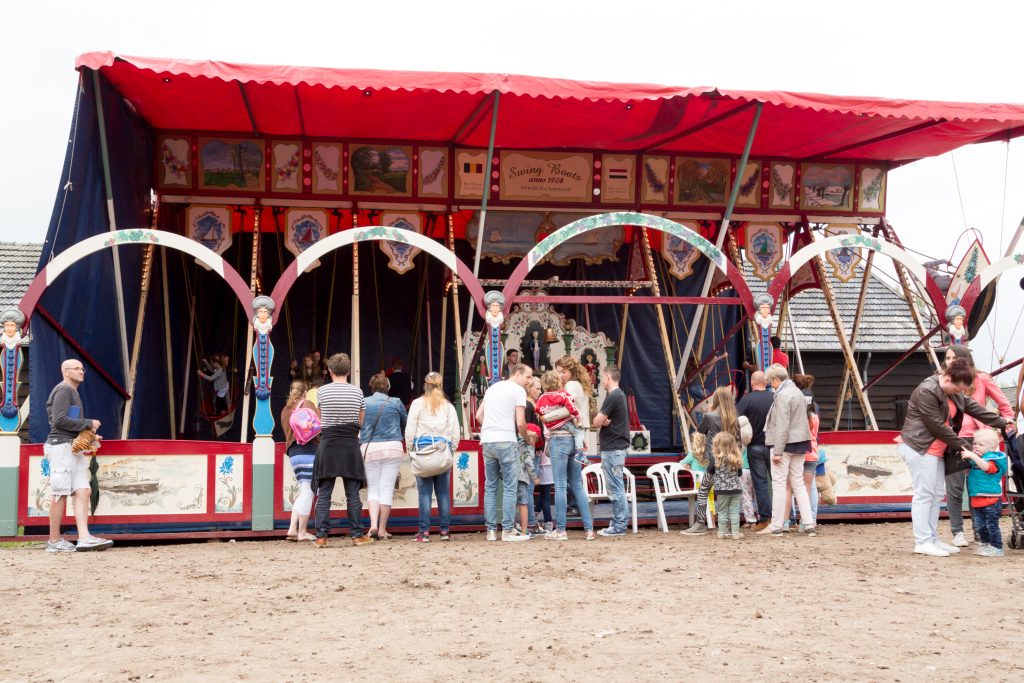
pixel 140 319
pixel 858 316
pixel 622 334
pixel 851 362
pixel 663 330
pixel 457 320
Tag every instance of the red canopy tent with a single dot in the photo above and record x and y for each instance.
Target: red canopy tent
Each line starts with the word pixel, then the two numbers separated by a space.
pixel 542 113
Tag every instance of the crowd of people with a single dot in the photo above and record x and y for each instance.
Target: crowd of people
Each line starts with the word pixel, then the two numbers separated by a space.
pixel 756 460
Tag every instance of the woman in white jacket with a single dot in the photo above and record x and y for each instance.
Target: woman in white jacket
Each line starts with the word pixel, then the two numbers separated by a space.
pixel 433 415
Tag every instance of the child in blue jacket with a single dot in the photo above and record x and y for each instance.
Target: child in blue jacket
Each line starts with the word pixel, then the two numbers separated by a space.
pixel 985 488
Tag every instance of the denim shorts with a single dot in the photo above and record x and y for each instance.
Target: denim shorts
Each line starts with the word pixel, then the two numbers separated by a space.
pixel 523 494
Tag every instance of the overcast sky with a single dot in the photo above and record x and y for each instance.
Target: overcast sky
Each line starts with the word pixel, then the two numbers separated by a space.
pixel 937 50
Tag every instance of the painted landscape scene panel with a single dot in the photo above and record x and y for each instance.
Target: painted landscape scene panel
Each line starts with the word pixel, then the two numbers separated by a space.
pixel 232 163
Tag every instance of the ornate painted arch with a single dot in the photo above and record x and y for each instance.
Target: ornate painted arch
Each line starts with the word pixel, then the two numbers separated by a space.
pixel 913 266
pixel 376 233
pixel 623 218
pixel 76 252
pixel 989 275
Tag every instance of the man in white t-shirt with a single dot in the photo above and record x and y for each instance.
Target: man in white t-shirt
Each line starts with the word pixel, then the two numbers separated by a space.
pixel 502 416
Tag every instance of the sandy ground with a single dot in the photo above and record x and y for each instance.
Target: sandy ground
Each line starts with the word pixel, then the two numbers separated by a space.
pixel 852 603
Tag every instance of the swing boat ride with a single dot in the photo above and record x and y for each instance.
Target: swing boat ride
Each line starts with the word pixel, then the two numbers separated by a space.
pixel 666 230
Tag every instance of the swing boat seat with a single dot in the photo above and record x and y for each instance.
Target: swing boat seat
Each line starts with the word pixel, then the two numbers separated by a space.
pixel 665 478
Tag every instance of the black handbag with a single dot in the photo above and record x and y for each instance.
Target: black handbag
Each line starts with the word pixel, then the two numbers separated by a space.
pixel 952 459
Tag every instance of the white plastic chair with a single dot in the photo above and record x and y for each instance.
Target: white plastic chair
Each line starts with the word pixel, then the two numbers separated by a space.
pixel 665 478
pixel 599 489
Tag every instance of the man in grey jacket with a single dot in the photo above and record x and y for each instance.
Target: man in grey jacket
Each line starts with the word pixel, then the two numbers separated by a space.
pixel 69 472
pixel 788 432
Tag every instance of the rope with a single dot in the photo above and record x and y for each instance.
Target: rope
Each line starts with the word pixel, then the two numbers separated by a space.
pixel 956 177
pixel 1002 216
pixel 68 186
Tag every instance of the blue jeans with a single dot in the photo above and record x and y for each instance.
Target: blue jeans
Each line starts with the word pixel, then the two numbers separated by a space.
pixel 501 459
pixel 568 473
pixel 440 486
pixel 986 524
pixel 613 462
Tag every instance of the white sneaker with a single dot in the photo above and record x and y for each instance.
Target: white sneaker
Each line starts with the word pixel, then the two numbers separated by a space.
pixel 982 548
pixel 992 551
pixel 951 549
pixel 514 536
pixel 60 546
pixel 93 543
pixel 931 550
pixel 959 541
pixel 492 535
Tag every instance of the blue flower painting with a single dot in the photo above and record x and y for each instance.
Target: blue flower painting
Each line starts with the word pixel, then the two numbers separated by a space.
pixel 227 465
pixel 45 465
pixel 463 464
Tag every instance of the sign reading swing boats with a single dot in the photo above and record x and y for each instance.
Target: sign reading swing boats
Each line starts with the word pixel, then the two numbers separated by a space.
pixel 546 175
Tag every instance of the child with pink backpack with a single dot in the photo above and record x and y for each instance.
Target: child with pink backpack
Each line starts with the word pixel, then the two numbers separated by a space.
pixel 300 420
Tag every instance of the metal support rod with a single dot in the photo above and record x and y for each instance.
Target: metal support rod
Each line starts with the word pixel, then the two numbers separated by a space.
pixel 891 236
pixel 626 299
pixel 112 219
pixel 457 395
pixel 670 362
pixel 356 374
pixel 483 204
pixel 844 384
pixel 720 240
pixel 851 362
pixel 168 355
pixel 253 279
pixel 902 357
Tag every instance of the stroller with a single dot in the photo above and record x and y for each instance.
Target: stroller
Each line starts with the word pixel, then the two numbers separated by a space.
pixel 1015 497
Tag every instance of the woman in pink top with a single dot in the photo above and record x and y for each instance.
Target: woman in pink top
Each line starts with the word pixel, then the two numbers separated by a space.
pixel 981 390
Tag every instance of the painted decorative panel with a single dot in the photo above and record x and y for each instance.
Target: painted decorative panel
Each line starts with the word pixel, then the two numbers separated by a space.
pixel 229 486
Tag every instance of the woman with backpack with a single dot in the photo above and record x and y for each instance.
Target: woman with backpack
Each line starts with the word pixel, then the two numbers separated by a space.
pixel 301 456
pixel 433 423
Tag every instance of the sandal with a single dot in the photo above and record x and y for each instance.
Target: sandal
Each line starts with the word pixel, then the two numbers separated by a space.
pixel 291 539
pixel 372 533
pixel 383 536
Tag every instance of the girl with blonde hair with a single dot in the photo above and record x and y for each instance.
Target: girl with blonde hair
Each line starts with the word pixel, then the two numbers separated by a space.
pixel 433 416
pixel 726 467
pixel 301 457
